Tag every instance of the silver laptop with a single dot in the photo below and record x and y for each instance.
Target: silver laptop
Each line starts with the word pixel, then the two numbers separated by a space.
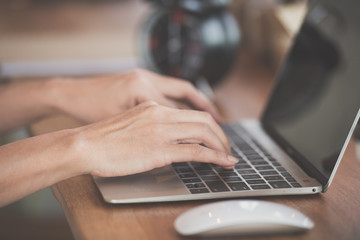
pixel 297 145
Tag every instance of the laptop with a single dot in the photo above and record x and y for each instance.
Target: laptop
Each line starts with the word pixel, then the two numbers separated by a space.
pixel 297 145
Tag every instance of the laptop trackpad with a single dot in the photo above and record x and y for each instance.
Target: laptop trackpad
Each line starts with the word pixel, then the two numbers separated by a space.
pixel 156 183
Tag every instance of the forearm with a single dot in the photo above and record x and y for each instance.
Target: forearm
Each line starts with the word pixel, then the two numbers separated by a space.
pixel 35 163
pixel 23 103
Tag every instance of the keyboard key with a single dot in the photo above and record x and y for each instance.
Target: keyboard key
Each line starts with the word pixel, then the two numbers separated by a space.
pixel 221 169
pixel 206 173
pixel 274 178
pixel 280 184
pixel 228 174
pixel 242 166
pixel 264 167
pixel 296 185
pixel 256 181
pixel 249 152
pixel 286 174
pixel 276 164
pixel 262 186
pixel 199 185
pixel 241 160
pixel 268 155
pixel 246 149
pixel 195 185
pixel 236 154
pixel 210 178
pixel 268 173
pixel 254 157
pixel 232 179
pixel 246 171
pixel 191 180
pixel 198 164
pixel 183 170
pixel 217 186
pixel 187 175
pixel 258 162
pixel 291 180
pixel 199 190
pixel 238 186
pixel 252 176
pixel 180 164
pixel 281 169
pixel 202 167
pixel 242 144
pixel 261 148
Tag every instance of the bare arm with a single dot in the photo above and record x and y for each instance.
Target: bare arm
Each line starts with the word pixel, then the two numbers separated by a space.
pixel 143 138
pixel 23 103
pixel 93 99
pixel 34 163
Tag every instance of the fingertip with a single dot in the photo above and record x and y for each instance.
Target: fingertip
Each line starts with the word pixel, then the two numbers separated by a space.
pixel 217 117
pixel 232 160
pixel 228 167
pixel 229 163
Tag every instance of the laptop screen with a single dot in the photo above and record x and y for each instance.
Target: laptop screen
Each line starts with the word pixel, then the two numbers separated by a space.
pixel 317 94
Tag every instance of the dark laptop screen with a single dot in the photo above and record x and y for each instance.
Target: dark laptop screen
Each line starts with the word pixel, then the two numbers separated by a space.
pixel 317 95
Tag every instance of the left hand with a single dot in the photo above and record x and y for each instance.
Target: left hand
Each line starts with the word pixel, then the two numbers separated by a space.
pixel 93 99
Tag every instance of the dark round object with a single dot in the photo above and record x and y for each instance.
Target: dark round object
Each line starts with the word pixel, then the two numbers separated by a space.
pixel 190 44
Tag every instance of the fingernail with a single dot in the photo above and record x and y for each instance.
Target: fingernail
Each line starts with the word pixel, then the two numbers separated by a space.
pixel 233 159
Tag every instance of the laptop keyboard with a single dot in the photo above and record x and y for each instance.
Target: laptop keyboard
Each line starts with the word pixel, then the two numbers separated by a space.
pixel 256 169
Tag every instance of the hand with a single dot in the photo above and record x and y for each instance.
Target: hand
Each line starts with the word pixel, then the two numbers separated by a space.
pixel 94 99
pixel 150 136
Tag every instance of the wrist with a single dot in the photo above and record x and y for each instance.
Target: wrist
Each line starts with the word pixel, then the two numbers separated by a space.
pixel 57 94
pixel 77 147
pixel 73 148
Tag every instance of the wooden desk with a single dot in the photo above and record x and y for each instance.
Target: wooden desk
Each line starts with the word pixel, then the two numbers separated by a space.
pixel 243 94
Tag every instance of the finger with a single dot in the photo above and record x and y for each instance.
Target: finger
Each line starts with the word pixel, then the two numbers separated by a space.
pixel 199 117
pixel 192 96
pixel 155 96
pixel 126 118
pixel 198 153
pixel 140 107
pixel 189 133
pixel 183 90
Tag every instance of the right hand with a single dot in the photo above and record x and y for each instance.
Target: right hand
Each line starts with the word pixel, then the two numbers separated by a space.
pixel 150 136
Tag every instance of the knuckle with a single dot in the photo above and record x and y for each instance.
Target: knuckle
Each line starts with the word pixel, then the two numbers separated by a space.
pixel 196 150
pixel 153 110
pixel 204 128
pixel 189 88
pixel 207 116
pixel 137 76
pixel 150 104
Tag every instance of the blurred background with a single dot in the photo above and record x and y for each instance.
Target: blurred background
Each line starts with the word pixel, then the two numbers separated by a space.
pixel 41 38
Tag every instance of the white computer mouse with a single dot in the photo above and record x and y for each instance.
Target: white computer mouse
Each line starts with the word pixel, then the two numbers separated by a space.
pixel 241 217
